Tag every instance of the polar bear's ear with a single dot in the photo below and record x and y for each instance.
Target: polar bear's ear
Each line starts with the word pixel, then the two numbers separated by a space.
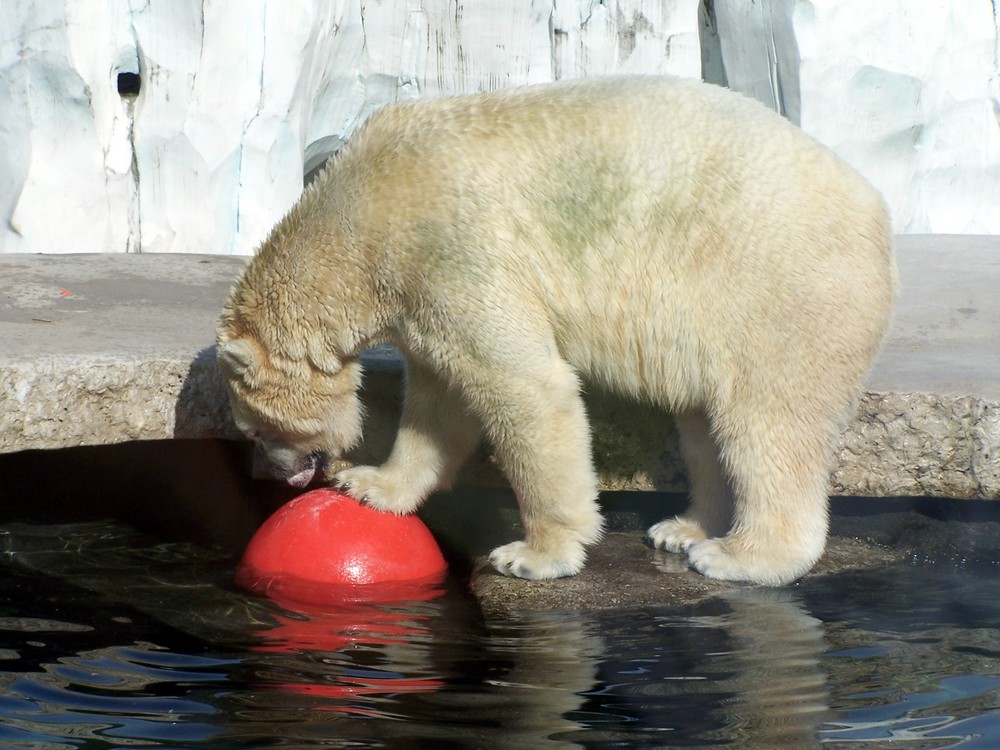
pixel 322 356
pixel 239 356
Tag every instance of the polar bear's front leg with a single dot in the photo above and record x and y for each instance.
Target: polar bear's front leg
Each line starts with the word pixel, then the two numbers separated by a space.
pixel 436 435
pixel 536 420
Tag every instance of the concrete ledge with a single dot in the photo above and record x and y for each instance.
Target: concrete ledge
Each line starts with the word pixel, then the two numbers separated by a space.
pixel 102 349
pixel 930 424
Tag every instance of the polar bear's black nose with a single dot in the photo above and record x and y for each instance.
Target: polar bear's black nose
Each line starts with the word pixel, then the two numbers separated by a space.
pixel 319 460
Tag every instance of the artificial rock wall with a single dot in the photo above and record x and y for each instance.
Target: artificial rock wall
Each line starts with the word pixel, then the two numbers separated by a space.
pixel 189 126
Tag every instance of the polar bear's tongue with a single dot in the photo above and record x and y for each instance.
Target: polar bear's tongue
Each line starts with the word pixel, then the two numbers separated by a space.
pixel 302 478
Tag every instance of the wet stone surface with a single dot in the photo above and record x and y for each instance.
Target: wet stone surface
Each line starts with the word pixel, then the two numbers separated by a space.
pixel 623 572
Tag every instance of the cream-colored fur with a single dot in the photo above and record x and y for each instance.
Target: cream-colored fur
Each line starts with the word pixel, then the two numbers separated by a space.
pixel 668 239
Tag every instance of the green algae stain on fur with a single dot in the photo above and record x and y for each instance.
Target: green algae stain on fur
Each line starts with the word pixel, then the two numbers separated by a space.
pixel 584 216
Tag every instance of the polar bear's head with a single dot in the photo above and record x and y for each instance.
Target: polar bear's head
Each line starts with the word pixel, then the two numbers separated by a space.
pixel 299 411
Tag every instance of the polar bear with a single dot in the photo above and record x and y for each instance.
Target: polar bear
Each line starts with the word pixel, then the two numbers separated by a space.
pixel 668 239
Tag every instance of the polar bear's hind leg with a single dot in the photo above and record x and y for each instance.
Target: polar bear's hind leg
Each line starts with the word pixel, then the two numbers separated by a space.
pixel 779 471
pixel 710 511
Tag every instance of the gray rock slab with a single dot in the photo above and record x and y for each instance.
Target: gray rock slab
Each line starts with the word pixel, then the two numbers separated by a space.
pixel 103 349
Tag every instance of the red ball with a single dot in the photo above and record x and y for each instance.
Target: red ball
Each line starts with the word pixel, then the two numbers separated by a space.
pixel 325 547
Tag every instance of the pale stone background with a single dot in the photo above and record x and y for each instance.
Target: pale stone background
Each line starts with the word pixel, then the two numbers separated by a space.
pixel 239 100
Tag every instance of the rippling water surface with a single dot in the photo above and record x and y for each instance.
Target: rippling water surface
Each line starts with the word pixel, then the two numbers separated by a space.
pixel 111 639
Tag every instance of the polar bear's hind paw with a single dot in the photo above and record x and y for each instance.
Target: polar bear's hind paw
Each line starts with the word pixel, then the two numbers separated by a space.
pixel 716 558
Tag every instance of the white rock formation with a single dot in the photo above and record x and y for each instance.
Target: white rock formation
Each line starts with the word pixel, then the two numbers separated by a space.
pixel 66 177
pixel 908 92
pixel 237 101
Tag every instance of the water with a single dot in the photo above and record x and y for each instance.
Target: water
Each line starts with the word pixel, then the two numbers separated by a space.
pixel 110 639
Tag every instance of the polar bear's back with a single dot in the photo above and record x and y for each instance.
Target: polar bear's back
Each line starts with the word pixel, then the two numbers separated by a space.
pixel 660 135
pixel 740 241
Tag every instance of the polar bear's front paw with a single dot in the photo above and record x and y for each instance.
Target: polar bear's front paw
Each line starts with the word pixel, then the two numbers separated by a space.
pixel 521 561
pixel 675 534
pixel 378 489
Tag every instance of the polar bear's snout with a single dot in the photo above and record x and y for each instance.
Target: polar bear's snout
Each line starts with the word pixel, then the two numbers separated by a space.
pixel 316 463
pixel 291 465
